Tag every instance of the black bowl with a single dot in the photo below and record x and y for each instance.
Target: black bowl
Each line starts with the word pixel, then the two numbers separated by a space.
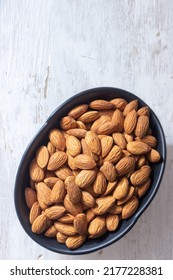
pixel 41 138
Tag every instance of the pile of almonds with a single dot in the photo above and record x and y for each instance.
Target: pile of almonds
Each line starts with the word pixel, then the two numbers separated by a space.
pixel 92 172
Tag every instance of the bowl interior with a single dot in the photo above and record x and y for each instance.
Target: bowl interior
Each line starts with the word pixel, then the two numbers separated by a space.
pixel 22 178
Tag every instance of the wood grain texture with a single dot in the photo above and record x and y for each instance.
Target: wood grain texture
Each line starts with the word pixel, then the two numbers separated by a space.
pixel 50 50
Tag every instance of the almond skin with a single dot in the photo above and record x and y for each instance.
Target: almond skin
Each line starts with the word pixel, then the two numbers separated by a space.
pixel 140 176
pixel 84 162
pixel 93 142
pixel 68 230
pixel 118 120
pixel 42 156
pixel 142 126
pixel 73 146
pixel 112 222
pixel 106 145
pixel 89 116
pixel 58 192
pixel 130 207
pixel 103 205
pixel 57 160
pixel 55 212
pixel 74 242
pixel 97 227
pixel 30 197
pixel 68 123
pixel 85 178
pixel 78 111
pixel 80 223
pixel 114 154
pixel 36 172
pixel 130 122
pixel 101 105
pixel 138 148
pixel 57 139
pixel 121 189
pixel 124 165
pixel 35 211
pixel 109 171
pixel 39 224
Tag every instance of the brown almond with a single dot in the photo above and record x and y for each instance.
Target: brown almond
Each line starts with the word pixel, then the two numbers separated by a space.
pixel 116 209
pixel 118 120
pixel 153 156
pixel 87 200
pixel 73 209
pixel 119 103
pixel 107 128
pixel 93 142
pixel 142 126
pixel 114 154
pixel 30 197
pixel 110 187
pixel 42 156
pixel 73 190
pixel 109 171
pixel 81 125
pixel 112 222
pixel 142 189
pixel 128 137
pixel 140 162
pixel 107 113
pixel 130 207
pixel 130 122
pixel 36 172
pixel 68 123
pixel 133 105
pixel 57 139
pixel 144 111
pixel 83 161
pixel 78 111
pixel 127 197
pixel 55 212
pixel 124 165
pixel 103 205
pixel 70 161
pixel 66 229
pixel 61 238
pixel 39 224
pixel 99 122
pixel 57 160
pixel 119 140
pixel 89 116
pixel 51 181
pixel 89 215
pixel 101 104
pixel 35 211
pixel 87 151
pixel 106 145
pixel 51 148
pixel 44 193
pixel 99 185
pixel 58 192
pixel 77 132
pixel 121 188
pixel 85 178
pixel 63 172
pixel 140 176
pixel 74 242
pixel 51 232
pixel 80 223
pixel 97 227
pixel 138 148
pixel 149 140
pixel 66 219
pixel 73 146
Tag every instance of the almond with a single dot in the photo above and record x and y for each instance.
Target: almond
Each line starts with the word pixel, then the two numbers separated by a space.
pixel 118 120
pixel 107 113
pixel 127 197
pixel 74 242
pixel 51 181
pixel 112 222
pixel 85 178
pixel 36 172
pixel 78 111
pixel 51 232
pixel 80 223
pixel 81 125
pixel 153 156
pixel 30 197
pixel 119 103
pixel 107 128
pixel 128 137
pixel 87 199
pixel 133 105
pixel 68 230
pixel 140 162
pixel 57 160
pixel 144 111
pixel 83 161
pixel 73 190
pixel 87 151
pixel 109 171
pixel 142 126
pixel 73 209
pixel 70 161
pixel 61 238
pixel 110 187
pixel 63 172
pixel 149 140
pixel 99 185
pixel 114 154
pixel 39 224
pixel 35 211
pixel 116 209
pixel 93 142
pixel 55 212
pixel 89 116
pixel 138 148
pixel 130 207
pixel 90 215
pixel 120 140
pixel 66 219
pixel 68 123
pixel 58 192
pixel 121 189
pixel 99 122
pixel 97 227
pixel 142 189
pixel 124 165
pixel 77 132
pixel 101 104
pixel 57 139
pixel 51 148
pixel 73 146
pixel 42 156
pixel 104 204
pixel 140 176
pixel 130 122
pixel 106 145
pixel 43 193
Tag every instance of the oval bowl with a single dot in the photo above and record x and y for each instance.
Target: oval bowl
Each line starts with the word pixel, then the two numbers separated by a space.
pixel 41 138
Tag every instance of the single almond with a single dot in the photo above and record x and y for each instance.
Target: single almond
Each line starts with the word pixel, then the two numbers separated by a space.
pixel 124 165
pixel 106 145
pixel 30 197
pixel 39 224
pixel 101 104
pixel 51 232
pixel 116 209
pixel 55 212
pixel 51 148
pixel 36 172
pixel 63 172
pixel 103 205
pixel 51 181
pixel 119 103
pixel 85 178
pixel 114 154
pixel 130 207
pixel 142 126
pixel 109 171
pixel 138 148
pixel 133 105
pixel 80 223
pixel 144 111
pixel 73 146
pixel 78 111
pixel 74 242
pixel 81 125
pixel 107 113
pixel 97 227
pixel 140 176
pixel 99 122
pixel 128 137
pixel 141 161
pixel 73 209
pixel 110 187
pixel 118 120
pixel 112 222
pixel 35 211
pixel 58 192
pixel 83 161
pixel 42 156
pixel 149 140
pixel 142 189
pixel 89 116
pixel 89 215
pixel 127 197
pixel 77 132
pixel 57 160
pixel 93 142
pixel 87 151
pixel 66 229
pixel 68 123
pixel 73 190
pixel 130 122
pixel 70 161
pixel 119 140
pixel 99 185
pixel 107 128
pixel 44 193
pixel 87 200
pixel 61 238
pixel 66 219
pixel 57 139
pixel 121 188
pixel 153 156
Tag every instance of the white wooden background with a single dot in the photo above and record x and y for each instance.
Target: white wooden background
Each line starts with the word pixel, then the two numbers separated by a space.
pixel 51 50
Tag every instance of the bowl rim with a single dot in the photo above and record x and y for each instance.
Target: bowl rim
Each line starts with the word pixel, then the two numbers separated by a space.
pixel 134 218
